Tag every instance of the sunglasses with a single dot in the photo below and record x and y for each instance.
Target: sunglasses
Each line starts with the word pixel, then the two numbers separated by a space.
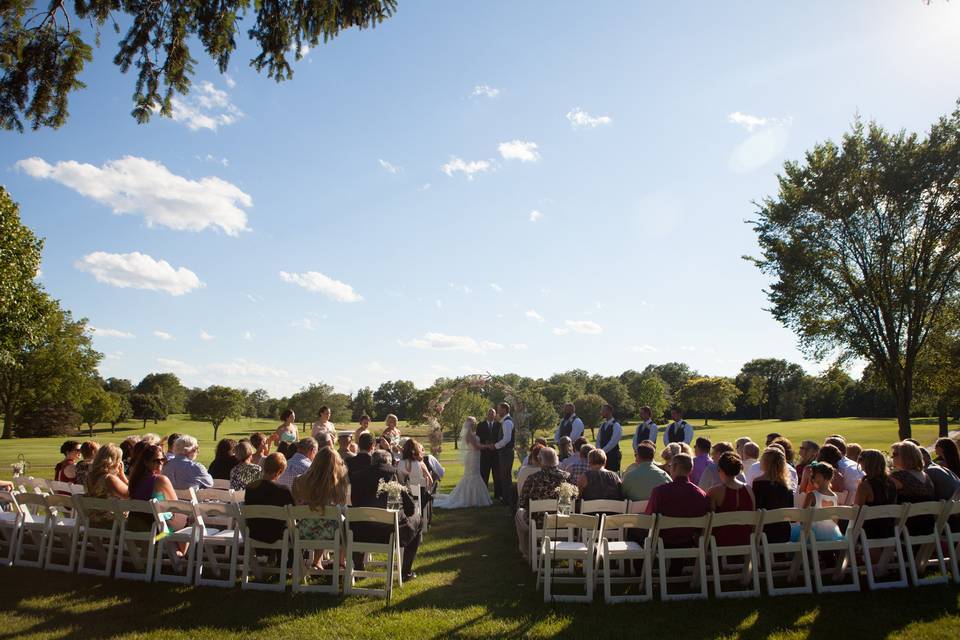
pixel 162 461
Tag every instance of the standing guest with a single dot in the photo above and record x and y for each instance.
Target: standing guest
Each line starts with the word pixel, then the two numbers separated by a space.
pixel 184 471
pixel 324 485
pixel 679 430
pixel 848 469
pixel 364 425
pixel 679 498
pixel 366 444
pixel 261 448
pixel 391 432
pixel 541 486
pixel 412 470
pixel 489 432
pixel 66 469
pixel 731 495
pixel 88 451
pixel 647 429
pixel 531 466
pixel 945 483
pixel 300 461
pixel 322 424
pixel 224 460
pixel 504 448
pixel 245 471
pixel 609 438
pixel 809 450
pixel 853 452
pixel 701 459
pixel 771 437
pixel 268 492
pixel 565 446
pixel 570 425
pixel 581 464
pixel 345 446
pixel 948 455
pixel 711 474
pixel 773 490
pixel 172 438
pixel 597 482
pixel 286 434
pixel 876 488
pixel 147 482
pixel 641 478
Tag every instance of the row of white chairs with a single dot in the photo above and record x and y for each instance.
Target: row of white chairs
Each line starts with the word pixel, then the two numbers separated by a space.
pixel 598 542
pixel 131 539
pixel 220 491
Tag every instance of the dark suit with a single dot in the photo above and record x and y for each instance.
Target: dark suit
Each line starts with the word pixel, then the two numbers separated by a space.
pixel 490 433
pixel 359 461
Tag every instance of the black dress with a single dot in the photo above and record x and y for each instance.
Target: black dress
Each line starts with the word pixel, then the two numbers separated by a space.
pixel 773 495
pixel 884 492
pixel 914 490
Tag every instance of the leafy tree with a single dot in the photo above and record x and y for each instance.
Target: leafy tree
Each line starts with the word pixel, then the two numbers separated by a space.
pixel 43 48
pixel 101 406
pixel 148 406
pixel 362 403
pixel 125 412
pixel 863 246
pixel 708 395
pixel 938 369
pixel 540 413
pixel 617 395
pixel 394 397
pixel 826 394
pixel 215 404
pixel 674 374
pixel 118 385
pixel 588 408
pixel 461 405
pixel 559 393
pixel 306 403
pixel 791 405
pixel 649 391
pixel 168 387
pixel 754 390
pixel 259 398
pixel 339 404
pixel 778 376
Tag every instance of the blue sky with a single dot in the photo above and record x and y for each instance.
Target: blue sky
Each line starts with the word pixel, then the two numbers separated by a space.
pixel 499 186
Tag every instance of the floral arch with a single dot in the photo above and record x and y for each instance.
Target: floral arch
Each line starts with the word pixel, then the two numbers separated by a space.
pixel 480 383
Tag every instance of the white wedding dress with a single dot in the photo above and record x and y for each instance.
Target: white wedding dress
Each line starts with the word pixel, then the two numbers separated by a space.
pixel 471 490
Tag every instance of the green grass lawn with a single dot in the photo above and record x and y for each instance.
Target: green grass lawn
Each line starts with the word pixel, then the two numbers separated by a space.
pixel 472 582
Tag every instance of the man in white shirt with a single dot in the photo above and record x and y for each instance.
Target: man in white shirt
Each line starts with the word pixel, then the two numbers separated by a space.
pixel 646 430
pixel 297 465
pixel 679 430
pixel 850 470
pixel 570 426
pixel 323 423
pixel 751 464
pixel 609 438
pixel 504 446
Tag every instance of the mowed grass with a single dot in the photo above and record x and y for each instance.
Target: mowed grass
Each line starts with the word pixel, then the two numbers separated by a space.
pixel 472 582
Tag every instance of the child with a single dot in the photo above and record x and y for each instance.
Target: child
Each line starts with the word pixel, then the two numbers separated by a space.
pixel 821 473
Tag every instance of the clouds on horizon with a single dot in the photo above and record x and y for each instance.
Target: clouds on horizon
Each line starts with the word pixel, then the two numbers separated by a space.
pixel 519 150
pixel 444 342
pixel 317 282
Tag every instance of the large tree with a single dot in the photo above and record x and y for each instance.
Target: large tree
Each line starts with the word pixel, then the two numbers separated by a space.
pixel 45 45
pixel 863 246
pixel 101 406
pixel 168 387
pixel 938 369
pixel 778 376
pixel 708 395
pixel 215 404
pixel 362 404
pixel 148 406
pixel 396 397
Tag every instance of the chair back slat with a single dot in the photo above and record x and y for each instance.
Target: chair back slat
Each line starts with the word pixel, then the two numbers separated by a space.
pixel 734 518
pixel 674 522
pixel 924 509
pixel 637 506
pixel 542 506
pixel 603 506
pixel 187 494
pixel 629 521
pixel 211 510
pixel 215 495
pixel 787 514
pixel 371 514
pixel 572 521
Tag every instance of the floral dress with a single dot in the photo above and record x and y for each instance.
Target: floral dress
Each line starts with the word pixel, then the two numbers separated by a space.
pixel 244 474
pixel 318 528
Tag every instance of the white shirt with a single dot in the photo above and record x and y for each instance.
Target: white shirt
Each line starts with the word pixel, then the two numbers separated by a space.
pixel 507 424
pixel 851 478
pixel 646 424
pixel 687 432
pixel 614 437
pixel 575 432
pixel 751 470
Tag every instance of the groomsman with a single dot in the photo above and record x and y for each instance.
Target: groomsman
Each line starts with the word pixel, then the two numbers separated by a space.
pixel 488 432
pixel 504 449
pixel 646 430
pixel 609 438
pixel 679 430
pixel 571 426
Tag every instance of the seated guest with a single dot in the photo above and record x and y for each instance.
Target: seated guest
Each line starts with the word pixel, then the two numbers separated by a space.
pixel 531 467
pixel 853 452
pixel 66 469
pixel 849 470
pixel 261 448
pixel 538 442
pixel 106 479
pixel 324 484
pixel 300 461
pixel 171 439
pixel 412 470
pixel 679 498
pixel 147 482
pixel 640 480
pixel 738 445
pixel 366 443
pixel 787 447
pixel 668 453
pixel 751 462
pixel 580 464
pixel 184 471
pixel 876 488
pixel 771 437
pixel 831 455
pixel 597 482
pixel 574 457
pixel 268 492
pixel 245 472
pixel 772 489
pixel 433 464
pixel 731 495
pixel 345 445
pixel 152 438
pixel 808 453
pixel 566 447
pixel 126 448
pixel 701 458
pixel 711 474
pixel 225 459
pixel 88 451
pixel 945 483
pixel 542 485
pixel 822 496
pixel 948 455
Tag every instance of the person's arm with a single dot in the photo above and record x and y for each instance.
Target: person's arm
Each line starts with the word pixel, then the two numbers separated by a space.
pixel 118 487
pixel 164 486
pixel 507 434
pixel 582 482
pixel 6 486
pixel 864 494
pixel 687 433
pixel 653 504
pixel 809 500
pixel 203 477
pixel 577 431
pixel 70 471
pixel 614 438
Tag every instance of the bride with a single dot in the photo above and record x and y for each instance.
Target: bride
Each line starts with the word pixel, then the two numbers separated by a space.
pixel 471 491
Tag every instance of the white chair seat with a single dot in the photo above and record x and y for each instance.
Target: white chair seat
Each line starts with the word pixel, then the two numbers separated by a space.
pixel 215 533
pixel 66 522
pixel 571 547
pixel 6 516
pixel 618 546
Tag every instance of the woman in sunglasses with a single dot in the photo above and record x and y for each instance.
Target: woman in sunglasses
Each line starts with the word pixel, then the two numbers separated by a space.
pixel 147 482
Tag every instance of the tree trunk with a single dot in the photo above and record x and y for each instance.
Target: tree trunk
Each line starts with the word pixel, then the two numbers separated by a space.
pixel 706 422
pixel 144 424
pixel 905 430
pixel 216 427
pixel 943 417
pixel 113 427
pixel 7 425
pixel 90 425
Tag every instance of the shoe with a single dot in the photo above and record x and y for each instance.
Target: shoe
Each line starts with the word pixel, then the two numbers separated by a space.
pixel 410 576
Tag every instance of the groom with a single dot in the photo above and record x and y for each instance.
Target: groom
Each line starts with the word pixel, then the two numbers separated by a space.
pixel 504 450
pixel 488 432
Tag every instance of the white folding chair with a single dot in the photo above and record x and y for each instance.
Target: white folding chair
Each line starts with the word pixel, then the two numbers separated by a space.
pixel 99 523
pixel 77 489
pixel 31 549
pixel 391 549
pixel 257 568
pixel 215 495
pixel 308 550
pixel 168 541
pixel 536 535
pixel 800 519
pixel 603 506
pixel 951 536
pixel 187 495
pixel 570 551
pixel 414 490
pixel 63 531
pixel 637 506
pixel 29 484
pixel 221 484
pixel 746 572
pixel 218 550
pixel 929 543
pixel 886 546
pixel 843 550
pixel 136 543
pixel 63 488
pixel 615 546
pixel 10 518
pixel 665 555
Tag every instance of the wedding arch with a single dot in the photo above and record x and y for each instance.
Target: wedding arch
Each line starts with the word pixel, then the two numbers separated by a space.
pixel 479 383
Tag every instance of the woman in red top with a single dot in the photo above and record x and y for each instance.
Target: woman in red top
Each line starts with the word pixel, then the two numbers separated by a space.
pixel 731 495
pixel 66 469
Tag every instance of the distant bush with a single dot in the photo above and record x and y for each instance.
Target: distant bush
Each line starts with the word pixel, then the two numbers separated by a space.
pixel 51 420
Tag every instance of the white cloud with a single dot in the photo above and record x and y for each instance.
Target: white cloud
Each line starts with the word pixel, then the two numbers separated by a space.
pixel 163 335
pixel 535 215
pixel 110 333
pixel 533 315
pixel 580 119
pixel 579 326
pixel 458 165
pixel 462 288
pixel 751 122
pixel 688 348
pixel 244 370
pixel 318 283
pixel 306 324
pixel 133 185
pixel 206 107
pixel 768 138
pixel 519 346
pixel 379 369
pixel 390 168
pixel 641 348
pixel 231 83
pixel 177 366
pixel 138 271
pixel 212 158
pixel 497 288
pixel 206 337
pixel 519 150
pixel 484 90
pixel 444 342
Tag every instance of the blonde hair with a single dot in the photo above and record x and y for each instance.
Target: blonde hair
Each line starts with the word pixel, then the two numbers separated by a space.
pixel 670 451
pixel 105 463
pixel 324 483
pixel 910 457
pixel 386 421
pixel 773 463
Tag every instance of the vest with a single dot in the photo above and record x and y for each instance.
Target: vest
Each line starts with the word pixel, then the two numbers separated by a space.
pixel 643 431
pixel 675 432
pixel 513 435
pixel 606 432
pixel 566 426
